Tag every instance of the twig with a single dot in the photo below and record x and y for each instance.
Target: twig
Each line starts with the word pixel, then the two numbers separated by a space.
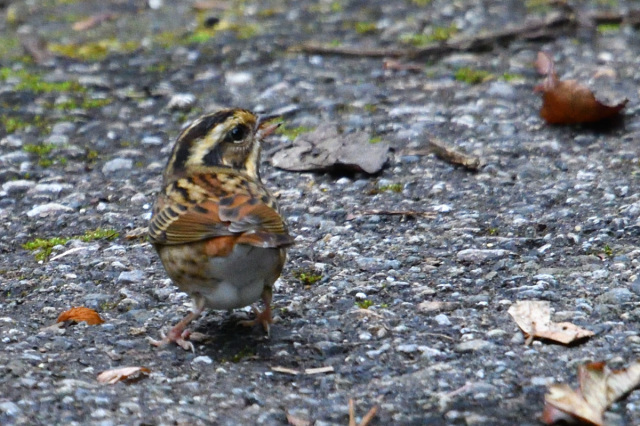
pixel 453 156
pixel 444 336
pixel 68 252
pixel 309 371
pixel 352 412
pixel 352 216
pixel 358 51
pixel 547 28
pixel 367 417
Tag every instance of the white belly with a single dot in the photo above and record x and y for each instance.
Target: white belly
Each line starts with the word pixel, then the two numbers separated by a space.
pixel 229 282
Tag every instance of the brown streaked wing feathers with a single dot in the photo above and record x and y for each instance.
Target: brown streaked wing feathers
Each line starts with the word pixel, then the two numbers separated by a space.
pixel 241 215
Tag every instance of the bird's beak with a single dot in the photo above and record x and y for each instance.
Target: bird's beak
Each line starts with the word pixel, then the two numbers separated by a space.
pixel 265 127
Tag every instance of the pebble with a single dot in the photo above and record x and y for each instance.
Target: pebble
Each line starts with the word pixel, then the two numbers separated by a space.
pixel 635 285
pixel 46 209
pixel 17 186
pixel 57 139
pixel 616 296
pixel 442 319
pixel 475 345
pixel 373 264
pixel 63 128
pixel 376 353
pixel 130 277
pixel 9 408
pixel 51 188
pixel 481 255
pixel 202 359
pixel 238 78
pixel 116 165
pixel 181 102
pixel 501 89
pixel 151 140
pixel 407 348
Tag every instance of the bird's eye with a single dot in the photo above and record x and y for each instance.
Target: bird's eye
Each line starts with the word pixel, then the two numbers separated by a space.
pixel 238 133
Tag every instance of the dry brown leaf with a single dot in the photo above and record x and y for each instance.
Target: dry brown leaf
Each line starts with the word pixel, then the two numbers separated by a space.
pixel 123 373
pixel 563 403
pixel 599 388
pixel 534 318
pixel 568 101
pixel 80 314
pixel 92 21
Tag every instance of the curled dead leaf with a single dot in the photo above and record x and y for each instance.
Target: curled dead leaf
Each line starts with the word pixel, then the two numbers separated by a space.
pixel 79 314
pixel 534 318
pixel 599 387
pixel 568 101
pixel 123 373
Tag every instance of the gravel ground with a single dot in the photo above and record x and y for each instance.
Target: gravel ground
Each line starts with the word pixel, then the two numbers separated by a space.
pixel 553 215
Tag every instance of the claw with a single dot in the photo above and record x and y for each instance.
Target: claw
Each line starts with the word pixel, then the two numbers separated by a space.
pixel 179 334
pixel 263 318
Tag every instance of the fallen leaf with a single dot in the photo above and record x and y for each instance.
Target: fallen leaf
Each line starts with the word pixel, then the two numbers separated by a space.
pixel 599 388
pixel 534 318
pixel 80 314
pixel 325 149
pixel 93 21
pixel 123 373
pixel 568 101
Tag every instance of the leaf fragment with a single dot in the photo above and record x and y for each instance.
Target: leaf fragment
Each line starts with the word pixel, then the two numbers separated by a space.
pixel 534 318
pixel 123 373
pixel 79 314
pixel 568 101
pixel 599 387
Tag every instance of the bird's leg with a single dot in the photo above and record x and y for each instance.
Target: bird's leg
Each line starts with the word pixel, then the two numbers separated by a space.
pixel 179 333
pixel 262 317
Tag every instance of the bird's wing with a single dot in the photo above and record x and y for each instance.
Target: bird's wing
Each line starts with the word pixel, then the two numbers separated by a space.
pixel 200 208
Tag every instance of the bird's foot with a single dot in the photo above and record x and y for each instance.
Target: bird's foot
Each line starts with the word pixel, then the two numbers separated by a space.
pixel 263 318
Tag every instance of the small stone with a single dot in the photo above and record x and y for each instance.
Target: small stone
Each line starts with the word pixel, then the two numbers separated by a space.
pixel 407 348
pixel 635 285
pixel 62 128
pixel 116 165
pixel 202 359
pixel 51 188
pixel 17 186
pixel 501 89
pixel 181 102
pixel 442 319
pixel 475 345
pixel 57 139
pixel 11 141
pixel 46 209
pixel 238 78
pixel 134 276
pixel 139 199
pixel 10 408
pixel 435 306
pixel 616 296
pixel 430 353
pixel 481 255
pixel 152 140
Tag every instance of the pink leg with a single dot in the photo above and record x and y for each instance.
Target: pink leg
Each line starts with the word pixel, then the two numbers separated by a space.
pixel 179 334
pixel 262 317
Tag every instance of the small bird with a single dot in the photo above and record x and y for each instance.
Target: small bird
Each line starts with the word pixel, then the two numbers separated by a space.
pixel 215 226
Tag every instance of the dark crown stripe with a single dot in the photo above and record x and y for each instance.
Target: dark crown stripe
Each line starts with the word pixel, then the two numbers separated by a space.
pixel 197 130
